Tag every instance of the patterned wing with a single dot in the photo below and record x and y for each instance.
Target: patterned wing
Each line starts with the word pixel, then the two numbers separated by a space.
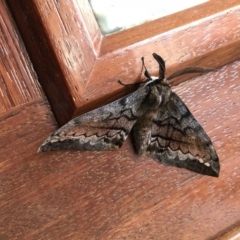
pixel 105 128
pixel 178 139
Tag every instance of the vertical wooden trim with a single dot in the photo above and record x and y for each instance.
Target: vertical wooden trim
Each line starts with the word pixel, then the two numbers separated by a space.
pixel 60 37
pixel 17 77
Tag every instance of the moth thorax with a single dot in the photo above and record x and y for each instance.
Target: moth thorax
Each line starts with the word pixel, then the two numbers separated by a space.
pixel 154 99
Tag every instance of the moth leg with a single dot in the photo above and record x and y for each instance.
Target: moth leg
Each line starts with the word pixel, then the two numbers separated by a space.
pixel 146 73
pixel 131 84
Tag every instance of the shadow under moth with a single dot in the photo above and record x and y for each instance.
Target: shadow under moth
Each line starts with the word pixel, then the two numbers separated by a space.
pixel 163 127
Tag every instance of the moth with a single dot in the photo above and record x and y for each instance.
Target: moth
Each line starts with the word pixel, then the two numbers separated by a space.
pixel 163 127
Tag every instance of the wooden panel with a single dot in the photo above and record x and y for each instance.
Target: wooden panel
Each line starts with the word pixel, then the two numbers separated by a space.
pixel 112 195
pixel 79 68
pixel 166 24
pixel 61 43
pixel 17 77
pixel 206 43
pixel 118 195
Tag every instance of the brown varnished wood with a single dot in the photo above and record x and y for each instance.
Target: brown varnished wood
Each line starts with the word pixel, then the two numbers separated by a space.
pixel 116 195
pixel 198 45
pixel 62 51
pixel 79 68
pixel 18 79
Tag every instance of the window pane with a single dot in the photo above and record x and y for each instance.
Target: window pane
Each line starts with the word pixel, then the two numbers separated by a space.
pixel 117 15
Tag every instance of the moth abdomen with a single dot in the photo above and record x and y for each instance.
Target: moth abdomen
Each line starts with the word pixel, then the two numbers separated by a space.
pixel 142 131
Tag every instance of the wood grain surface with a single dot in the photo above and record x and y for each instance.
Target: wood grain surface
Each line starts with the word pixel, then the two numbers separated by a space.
pixel 118 195
pixel 18 83
pixel 79 68
pixel 60 48
pixel 111 195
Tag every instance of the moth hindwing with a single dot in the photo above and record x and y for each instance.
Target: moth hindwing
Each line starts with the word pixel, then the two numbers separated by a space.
pixel 163 127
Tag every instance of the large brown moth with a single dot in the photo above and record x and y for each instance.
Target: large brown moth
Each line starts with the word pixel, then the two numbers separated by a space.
pixel 163 127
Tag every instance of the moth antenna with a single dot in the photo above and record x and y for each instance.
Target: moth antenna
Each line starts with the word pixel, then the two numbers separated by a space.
pixel 146 73
pixel 190 70
pixel 161 65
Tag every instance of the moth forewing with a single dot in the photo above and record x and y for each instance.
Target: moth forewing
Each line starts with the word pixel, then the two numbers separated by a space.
pixel 163 127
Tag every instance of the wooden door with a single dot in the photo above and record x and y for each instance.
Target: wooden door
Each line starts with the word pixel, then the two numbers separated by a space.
pixel 57 46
